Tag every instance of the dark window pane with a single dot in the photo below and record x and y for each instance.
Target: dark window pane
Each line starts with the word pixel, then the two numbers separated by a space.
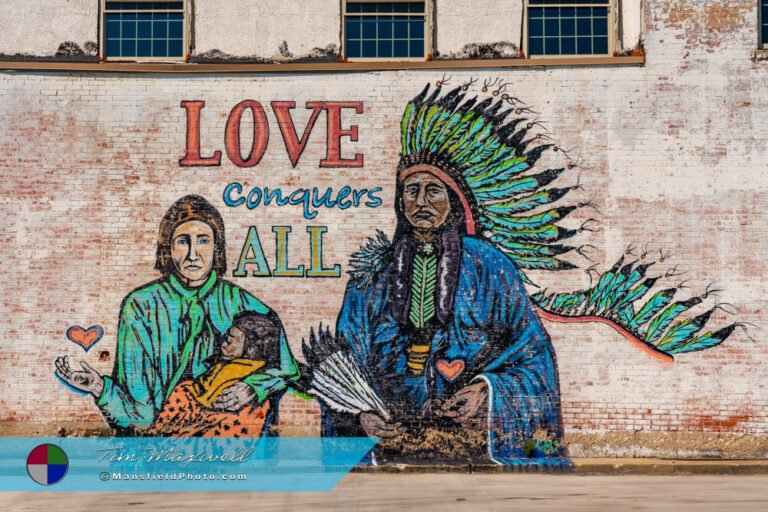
pixel 567 12
pixel 144 30
pixel 536 46
pixel 143 48
pixel 568 46
pixel 113 30
pixel 128 48
pixel 369 49
pixel 417 7
pixel 130 16
pixel 354 7
pixel 417 48
pixel 176 16
pixel 159 29
pixel 568 2
pixel 535 28
pixel 385 30
pixel 129 29
pixel 369 30
pixel 385 49
pixel 552 27
pixel 600 26
pixel 584 27
pixel 369 8
pixel 160 48
pixel 354 29
pixel 535 13
pixel 175 48
pixel 353 49
pixel 568 27
pixel 401 30
pixel 144 16
pixel 401 48
pixel 417 29
pixel 552 46
pixel 584 45
pixel 600 45
pixel 113 48
pixel 176 30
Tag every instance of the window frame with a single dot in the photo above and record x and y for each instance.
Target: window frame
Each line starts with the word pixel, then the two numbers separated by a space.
pixel 186 36
pixel 428 24
pixel 760 35
pixel 613 31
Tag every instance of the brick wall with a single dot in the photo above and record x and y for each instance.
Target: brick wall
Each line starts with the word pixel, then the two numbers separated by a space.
pixel 672 152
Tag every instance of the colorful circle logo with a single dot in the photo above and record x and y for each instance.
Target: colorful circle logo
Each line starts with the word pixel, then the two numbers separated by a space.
pixel 47 464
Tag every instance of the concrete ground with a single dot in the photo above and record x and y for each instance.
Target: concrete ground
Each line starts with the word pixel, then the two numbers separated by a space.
pixel 443 492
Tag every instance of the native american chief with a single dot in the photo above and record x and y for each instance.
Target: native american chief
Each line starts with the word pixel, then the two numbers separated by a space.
pixel 439 317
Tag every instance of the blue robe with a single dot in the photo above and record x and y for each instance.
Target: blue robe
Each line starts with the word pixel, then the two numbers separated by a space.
pixel 493 331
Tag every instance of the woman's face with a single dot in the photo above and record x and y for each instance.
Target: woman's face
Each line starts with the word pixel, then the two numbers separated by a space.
pixel 192 251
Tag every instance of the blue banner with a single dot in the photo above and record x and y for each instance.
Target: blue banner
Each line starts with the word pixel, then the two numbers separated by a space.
pixel 123 464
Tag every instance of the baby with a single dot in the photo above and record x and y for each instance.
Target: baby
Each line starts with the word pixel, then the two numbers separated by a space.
pixel 251 345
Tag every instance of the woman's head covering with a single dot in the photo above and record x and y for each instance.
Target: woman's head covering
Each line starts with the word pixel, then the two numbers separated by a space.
pixel 186 209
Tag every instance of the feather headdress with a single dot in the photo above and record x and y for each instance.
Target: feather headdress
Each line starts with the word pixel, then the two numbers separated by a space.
pixel 485 152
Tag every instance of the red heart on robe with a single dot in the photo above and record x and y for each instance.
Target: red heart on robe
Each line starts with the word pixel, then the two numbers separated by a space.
pixel 86 338
pixel 450 370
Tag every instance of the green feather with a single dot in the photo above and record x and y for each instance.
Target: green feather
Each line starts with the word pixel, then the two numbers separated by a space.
pixel 423 290
pixel 653 306
pixel 540 262
pixel 659 324
pixel 526 203
pixel 705 341
pixel 530 221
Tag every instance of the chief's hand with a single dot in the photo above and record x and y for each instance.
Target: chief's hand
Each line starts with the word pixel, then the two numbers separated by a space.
pixel 467 405
pixel 235 397
pixel 375 426
pixel 87 379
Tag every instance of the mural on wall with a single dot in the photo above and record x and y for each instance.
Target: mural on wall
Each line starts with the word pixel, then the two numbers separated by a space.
pixel 195 355
pixel 438 322
pixel 438 348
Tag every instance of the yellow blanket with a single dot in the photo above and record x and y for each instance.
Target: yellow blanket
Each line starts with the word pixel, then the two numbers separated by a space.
pixel 207 387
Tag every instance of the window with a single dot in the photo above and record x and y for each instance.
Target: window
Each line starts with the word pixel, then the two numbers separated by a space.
pixel 569 27
pixel 763 17
pixel 385 30
pixel 143 30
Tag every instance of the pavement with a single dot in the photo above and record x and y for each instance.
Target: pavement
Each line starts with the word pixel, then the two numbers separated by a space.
pixel 445 492
pixel 600 466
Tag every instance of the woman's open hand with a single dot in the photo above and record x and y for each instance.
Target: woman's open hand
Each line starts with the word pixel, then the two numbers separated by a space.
pixel 467 405
pixel 375 426
pixel 87 379
pixel 235 397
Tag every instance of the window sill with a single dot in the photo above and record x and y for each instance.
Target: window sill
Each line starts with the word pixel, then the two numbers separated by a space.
pixel 761 54
pixel 293 67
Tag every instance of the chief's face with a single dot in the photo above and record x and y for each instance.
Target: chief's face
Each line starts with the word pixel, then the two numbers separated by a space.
pixel 425 200
pixel 192 251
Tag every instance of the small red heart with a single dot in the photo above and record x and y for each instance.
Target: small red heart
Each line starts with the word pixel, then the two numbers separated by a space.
pixel 450 370
pixel 86 338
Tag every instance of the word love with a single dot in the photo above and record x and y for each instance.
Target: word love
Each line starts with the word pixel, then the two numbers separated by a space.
pixel 294 144
pixel 252 256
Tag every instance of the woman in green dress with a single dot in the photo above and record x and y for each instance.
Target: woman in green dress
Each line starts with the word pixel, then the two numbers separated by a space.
pixel 167 328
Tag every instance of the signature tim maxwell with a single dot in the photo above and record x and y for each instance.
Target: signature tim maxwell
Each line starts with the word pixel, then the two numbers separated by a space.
pixel 172 455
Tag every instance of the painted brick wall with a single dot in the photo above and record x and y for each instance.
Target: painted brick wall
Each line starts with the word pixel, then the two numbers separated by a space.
pixel 673 153
pixel 244 29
